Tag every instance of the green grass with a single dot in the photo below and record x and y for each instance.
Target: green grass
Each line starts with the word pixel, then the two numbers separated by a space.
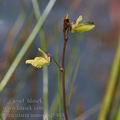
pixel 118 114
pixel 112 85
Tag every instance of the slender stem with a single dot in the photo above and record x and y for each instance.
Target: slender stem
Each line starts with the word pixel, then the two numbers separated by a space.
pixel 58 65
pixel 65 31
pixel 113 82
pixel 118 114
pixel 63 83
pixel 45 69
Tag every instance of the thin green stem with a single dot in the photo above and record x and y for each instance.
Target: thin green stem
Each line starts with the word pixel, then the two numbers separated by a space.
pixel 38 15
pixel 114 79
pixel 59 81
pixel 45 69
pixel 73 80
pixel 36 9
pixel 45 92
pixel 58 65
pixel 118 114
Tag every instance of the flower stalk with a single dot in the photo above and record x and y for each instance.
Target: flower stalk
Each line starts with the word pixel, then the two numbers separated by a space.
pixel 68 26
pixel 66 29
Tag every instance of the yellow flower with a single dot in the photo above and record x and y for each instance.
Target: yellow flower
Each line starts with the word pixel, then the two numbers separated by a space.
pixel 77 26
pixel 39 62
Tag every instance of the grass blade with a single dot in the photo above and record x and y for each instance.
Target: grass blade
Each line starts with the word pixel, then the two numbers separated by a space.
pixel 45 70
pixel 114 78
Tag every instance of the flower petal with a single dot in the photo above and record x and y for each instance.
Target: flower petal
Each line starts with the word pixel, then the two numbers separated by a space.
pixel 83 27
pixel 79 19
pixel 38 62
pixel 44 54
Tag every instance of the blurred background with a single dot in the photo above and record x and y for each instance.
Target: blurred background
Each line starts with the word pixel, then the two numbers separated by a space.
pixel 89 58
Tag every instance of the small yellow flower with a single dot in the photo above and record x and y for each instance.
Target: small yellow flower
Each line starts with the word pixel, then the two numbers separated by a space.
pixel 78 26
pixel 39 62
